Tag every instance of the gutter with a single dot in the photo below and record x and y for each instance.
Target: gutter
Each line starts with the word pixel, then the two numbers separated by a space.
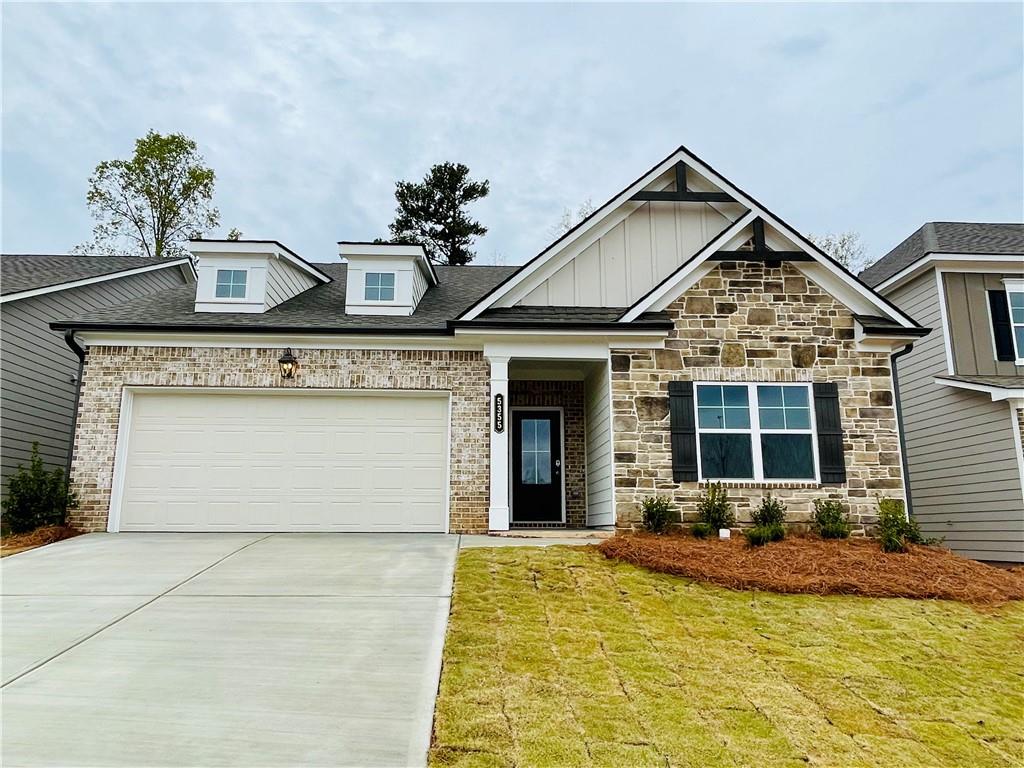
pixel 899 424
pixel 69 339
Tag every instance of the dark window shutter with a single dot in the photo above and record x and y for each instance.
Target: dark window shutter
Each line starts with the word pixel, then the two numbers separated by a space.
pixel 830 433
pixel 1002 331
pixel 684 431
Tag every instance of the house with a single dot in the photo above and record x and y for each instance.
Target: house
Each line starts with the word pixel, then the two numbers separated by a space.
pixel 963 385
pixel 40 373
pixel 680 334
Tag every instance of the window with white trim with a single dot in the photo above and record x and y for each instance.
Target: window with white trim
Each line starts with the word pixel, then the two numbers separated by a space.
pixel 231 283
pixel 1015 297
pixel 756 432
pixel 380 286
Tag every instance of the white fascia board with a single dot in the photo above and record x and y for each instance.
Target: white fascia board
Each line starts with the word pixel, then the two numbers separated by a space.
pixel 669 290
pixel 954 262
pixel 200 248
pixel 99 279
pixel 997 393
pixel 264 340
pixel 349 250
pixel 572 345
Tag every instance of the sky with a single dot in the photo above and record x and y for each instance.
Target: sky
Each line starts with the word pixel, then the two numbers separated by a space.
pixel 868 117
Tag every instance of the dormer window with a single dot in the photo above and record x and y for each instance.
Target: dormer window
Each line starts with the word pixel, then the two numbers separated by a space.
pixel 231 284
pixel 380 286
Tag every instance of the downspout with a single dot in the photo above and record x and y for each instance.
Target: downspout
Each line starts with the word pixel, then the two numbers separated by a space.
pixel 69 339
pixel 899 425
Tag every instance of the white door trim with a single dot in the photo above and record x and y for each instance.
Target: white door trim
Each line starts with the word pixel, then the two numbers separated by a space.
pixel 128 393
pixel 511 453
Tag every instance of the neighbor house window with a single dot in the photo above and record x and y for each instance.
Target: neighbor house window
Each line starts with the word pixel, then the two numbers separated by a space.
pixel 755 432
pixel 380 286
pixel 1015 297
pixel 230 284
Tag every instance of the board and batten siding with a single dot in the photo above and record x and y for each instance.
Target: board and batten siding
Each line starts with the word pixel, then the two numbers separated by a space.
pixel 631 258
pixel 597 416
pixel 970 322
pixel 285 281
pixel 38 371
pixel 964 477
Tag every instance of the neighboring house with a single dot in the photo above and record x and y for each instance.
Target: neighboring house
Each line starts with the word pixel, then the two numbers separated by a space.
pixel 682 333
pixel 963 386
pixel 39 372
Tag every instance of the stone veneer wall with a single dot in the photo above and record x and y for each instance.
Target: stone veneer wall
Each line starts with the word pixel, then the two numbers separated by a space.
pixel 464 373
pixel 748 322
pixel 569 396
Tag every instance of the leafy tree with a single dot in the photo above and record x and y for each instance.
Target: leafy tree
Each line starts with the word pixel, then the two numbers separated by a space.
pixel 36 497
pixel 235 234
pixel 570 219
pixel 152 203
pixel 844 247
pixel 433 213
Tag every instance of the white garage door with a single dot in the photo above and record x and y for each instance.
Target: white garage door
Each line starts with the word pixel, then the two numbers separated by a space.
pixel 285 462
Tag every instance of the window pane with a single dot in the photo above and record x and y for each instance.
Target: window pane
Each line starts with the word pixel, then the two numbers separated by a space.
pixel 543 461
pixel 529 435
pixel 372 293
pixel 711 418
pixel 735 395
pixel 1019 333
pixel 543 427
pixel 769 396
pixel 788 457
pixel 737 418
pixel 1016 298
pixel 529 468
pixel 387 279
pixel 387 293
pixel 709 395
pixel 773 418
pixel 372 279
pixel 795 396
pixel 1018 314
pixel 798 418
pixel 726 456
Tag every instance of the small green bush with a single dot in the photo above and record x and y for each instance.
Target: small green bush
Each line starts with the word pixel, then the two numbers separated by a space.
pixel 762 534
pixel 895 529
pixel 36 497
pixel 830 520
pixel 770 512
pixel 701 530
pixel 656 513
pixel 714 508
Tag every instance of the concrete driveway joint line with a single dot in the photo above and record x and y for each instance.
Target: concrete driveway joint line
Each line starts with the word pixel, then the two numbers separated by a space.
pixel 124 616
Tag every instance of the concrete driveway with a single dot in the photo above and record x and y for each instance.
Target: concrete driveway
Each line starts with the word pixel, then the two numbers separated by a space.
pixel 224 649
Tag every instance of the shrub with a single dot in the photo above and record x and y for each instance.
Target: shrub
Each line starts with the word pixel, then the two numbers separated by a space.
pixel 830 520
pixel 701 530
pixel 714 508
pixel 770 512
pixel 895 530
pixel 36 497
pixel 762 534
pixel 656 512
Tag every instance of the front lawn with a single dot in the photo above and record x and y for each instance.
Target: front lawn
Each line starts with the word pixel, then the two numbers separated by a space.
pixel 560 657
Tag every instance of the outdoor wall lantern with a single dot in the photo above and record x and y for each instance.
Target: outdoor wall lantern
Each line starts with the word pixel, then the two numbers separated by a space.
pixel 289 364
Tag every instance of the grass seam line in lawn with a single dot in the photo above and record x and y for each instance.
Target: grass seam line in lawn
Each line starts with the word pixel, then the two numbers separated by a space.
pixel 134 610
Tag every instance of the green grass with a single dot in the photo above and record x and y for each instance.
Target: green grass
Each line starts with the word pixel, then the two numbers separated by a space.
pixel 559 657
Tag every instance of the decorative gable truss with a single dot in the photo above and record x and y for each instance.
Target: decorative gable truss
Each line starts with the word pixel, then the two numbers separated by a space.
pixel 655 239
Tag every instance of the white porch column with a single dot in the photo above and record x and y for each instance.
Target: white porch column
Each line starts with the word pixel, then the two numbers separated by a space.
pixel 498 515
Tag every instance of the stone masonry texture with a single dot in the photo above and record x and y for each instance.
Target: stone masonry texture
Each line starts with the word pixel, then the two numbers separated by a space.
pixel 109 369
pixel 568 395
pixel 750 322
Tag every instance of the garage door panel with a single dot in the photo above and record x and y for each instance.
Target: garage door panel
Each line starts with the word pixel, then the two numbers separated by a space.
pixel 232 461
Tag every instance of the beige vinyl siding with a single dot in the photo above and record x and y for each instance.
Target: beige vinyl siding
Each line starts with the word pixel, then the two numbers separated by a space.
pixel 38 370
pixel 964 476
pixel 631 258
pixel 600 501
pixel 285 281
pixel 970 322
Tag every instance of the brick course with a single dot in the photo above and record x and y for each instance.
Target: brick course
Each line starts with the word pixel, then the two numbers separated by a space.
pixel 748 322
pixel 108 369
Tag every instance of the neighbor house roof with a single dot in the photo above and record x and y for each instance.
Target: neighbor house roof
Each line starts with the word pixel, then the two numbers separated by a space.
pixel 25 273
pixel 947 237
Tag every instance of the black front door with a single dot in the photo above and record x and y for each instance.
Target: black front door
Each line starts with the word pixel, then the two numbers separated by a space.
pixel 536 467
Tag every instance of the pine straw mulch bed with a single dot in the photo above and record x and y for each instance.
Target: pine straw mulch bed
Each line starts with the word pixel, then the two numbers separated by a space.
pixel 48 534
pixel 810 565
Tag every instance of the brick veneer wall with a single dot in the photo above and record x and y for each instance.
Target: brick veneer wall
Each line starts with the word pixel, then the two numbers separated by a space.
pixel 108 369
pixel 569 396
pixel 749 322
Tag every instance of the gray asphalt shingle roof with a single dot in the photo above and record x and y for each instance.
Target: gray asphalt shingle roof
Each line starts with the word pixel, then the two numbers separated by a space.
pixel 947 237
pixel 321 308
pixel 28 272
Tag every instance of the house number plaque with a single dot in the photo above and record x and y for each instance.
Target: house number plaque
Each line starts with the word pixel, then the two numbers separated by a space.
pixel 499 412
